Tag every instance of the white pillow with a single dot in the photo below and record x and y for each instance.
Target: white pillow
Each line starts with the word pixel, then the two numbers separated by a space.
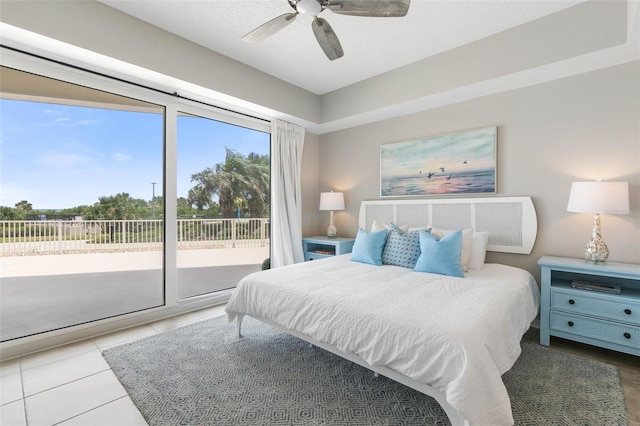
pixel 379 226
pixel 467 240
pixel 478 250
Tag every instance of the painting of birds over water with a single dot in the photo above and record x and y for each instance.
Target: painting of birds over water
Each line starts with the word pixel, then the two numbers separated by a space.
pixel 455 163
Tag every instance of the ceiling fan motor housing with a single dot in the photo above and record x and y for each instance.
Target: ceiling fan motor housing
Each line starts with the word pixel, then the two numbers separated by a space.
pixel 309 7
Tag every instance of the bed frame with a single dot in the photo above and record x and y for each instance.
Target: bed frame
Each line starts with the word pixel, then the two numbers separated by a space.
pixel 512 226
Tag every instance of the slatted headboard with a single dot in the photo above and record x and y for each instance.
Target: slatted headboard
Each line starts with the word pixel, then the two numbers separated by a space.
pixel 511 221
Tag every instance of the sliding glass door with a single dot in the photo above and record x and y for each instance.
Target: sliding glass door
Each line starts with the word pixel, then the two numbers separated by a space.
pixel 223 183
pixel 81 235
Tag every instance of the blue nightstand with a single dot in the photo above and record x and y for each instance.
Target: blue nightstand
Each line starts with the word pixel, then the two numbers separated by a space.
pixel 599 318
pixel 321 247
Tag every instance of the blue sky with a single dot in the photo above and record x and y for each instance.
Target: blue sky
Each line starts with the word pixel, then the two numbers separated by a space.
pixel 60 156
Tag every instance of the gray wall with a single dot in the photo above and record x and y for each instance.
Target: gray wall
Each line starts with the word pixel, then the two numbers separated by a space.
pixel 594 25
pixel 577 128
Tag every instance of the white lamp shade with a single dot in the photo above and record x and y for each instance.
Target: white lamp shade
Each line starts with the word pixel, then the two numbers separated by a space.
pixel 331 201
pixel 599 197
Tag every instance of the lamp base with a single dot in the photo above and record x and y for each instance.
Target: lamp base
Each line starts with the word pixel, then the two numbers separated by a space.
pixel 596 251
pixel 332 232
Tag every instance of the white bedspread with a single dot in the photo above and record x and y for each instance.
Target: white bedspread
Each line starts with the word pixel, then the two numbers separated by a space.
pixel 458 335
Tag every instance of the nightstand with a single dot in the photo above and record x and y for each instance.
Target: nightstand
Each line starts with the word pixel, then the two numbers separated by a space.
pixel 321 247
pixel 606 319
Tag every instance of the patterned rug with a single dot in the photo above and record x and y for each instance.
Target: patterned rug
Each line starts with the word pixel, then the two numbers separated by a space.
pixel 201 374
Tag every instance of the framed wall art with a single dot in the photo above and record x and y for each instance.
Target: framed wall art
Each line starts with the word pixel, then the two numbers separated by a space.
pixel 455 163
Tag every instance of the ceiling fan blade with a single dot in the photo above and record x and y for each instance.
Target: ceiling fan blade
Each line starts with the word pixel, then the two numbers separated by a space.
pixel 327 38
pixel 370 8
pixel 269 28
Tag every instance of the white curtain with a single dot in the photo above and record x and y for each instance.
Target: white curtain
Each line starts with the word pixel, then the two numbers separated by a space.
pixel 287 141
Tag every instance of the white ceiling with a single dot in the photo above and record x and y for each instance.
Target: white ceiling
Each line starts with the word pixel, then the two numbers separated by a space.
pixel 372 45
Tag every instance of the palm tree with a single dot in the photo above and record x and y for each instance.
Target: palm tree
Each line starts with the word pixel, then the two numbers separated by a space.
pixel 198 196
pixel 246 178
pixel 258 193
pixel 216 183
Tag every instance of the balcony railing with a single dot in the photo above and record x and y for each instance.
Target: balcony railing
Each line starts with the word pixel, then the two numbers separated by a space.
pixel 23 238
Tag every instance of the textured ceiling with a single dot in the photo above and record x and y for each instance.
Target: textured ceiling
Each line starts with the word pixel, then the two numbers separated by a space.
pixel 372 46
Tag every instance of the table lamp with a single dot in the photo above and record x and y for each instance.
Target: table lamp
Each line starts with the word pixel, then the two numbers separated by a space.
pixel 598 198
pixel 331 201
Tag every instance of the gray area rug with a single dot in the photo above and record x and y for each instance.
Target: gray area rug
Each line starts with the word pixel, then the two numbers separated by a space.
pixel 201 374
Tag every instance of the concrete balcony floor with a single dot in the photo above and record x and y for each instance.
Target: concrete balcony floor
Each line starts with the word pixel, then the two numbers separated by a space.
pixel 44 293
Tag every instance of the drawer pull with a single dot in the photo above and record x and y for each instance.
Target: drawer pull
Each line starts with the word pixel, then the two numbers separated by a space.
pixel 572 302
pixel 570 323
pixel 627 335
pixel 627 311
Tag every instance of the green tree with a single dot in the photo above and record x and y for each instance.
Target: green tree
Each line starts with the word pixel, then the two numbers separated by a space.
pixel 184 207
pixel 198 196
pixel 257 195
pixel 76 211
pixel 24 205
pixel 156 206
pixel 223 181
pixel 9 213
pixel 117 207
pixel 239 177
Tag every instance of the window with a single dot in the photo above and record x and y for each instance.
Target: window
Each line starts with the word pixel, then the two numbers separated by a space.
pixel 98 198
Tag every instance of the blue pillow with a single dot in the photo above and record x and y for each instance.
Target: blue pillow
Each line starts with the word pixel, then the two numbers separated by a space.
pixel 440 256
pixel 402 248
pixel 368 246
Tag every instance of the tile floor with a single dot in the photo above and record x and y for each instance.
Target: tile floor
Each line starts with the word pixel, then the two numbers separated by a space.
pixel 73 385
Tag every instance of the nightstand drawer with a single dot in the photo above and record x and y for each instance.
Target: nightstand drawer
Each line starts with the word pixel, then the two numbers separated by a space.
pixel 621 334
pixel 315 256
pixel 615 307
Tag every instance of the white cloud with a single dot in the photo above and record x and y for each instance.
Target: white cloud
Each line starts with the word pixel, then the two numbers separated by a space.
pixel 63 161
pixel 119 157
pixel 53 111
pixel 68 122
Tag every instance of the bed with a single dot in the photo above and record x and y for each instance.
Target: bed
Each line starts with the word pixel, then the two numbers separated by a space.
pixel 449 337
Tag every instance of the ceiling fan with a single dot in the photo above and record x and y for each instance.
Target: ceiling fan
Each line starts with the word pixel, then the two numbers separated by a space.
pixel 325 35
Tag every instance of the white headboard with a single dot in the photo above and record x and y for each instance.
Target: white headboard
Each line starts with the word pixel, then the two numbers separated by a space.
pixel 511 221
